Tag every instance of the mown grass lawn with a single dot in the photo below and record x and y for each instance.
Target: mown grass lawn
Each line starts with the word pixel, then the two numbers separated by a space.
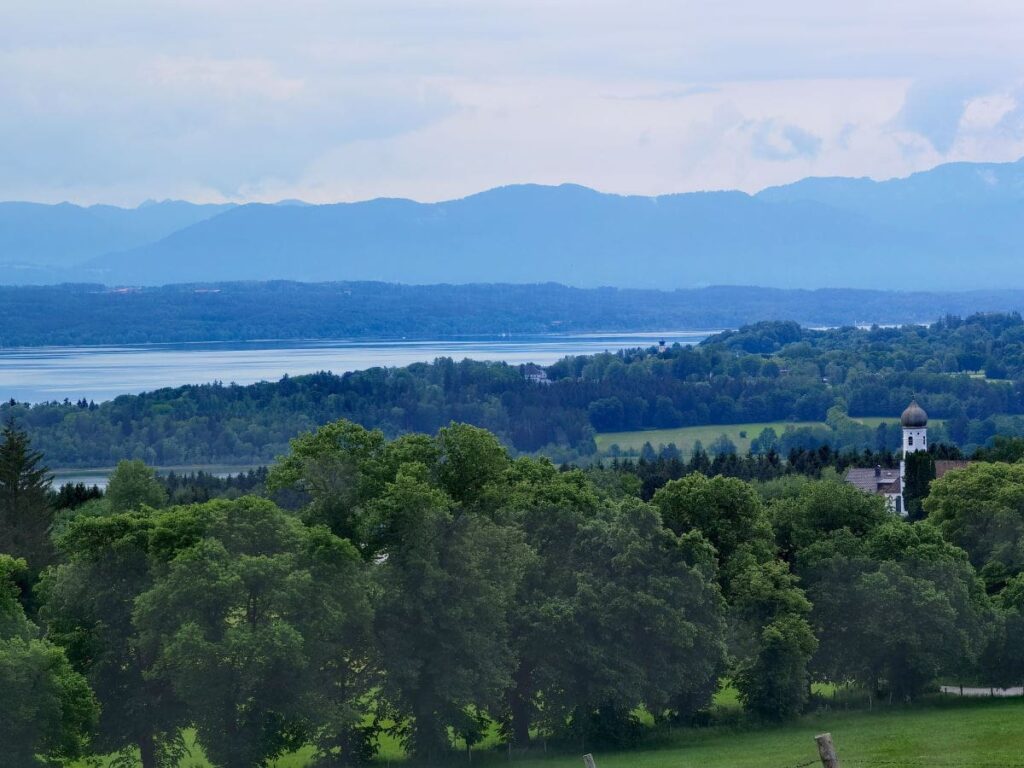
pixel 946 732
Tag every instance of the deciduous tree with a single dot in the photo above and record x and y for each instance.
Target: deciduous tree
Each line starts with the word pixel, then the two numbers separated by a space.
pixel 46 708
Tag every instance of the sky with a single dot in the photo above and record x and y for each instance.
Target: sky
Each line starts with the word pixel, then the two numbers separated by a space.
pixel 118 101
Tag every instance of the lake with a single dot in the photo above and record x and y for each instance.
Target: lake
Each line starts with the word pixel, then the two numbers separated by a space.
pixel 41 374
pixel 100 476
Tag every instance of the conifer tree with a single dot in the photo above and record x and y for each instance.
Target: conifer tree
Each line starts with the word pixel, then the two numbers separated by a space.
pixel 25 511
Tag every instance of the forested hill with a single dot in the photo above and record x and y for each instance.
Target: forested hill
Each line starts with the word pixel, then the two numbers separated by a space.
pixel 966 372
pixel 93 314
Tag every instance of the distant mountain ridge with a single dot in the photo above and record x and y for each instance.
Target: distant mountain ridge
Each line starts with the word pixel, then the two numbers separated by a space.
pixel 915 233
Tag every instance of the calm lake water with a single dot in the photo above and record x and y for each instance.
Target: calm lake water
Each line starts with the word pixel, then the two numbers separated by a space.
pixel 100 476
pixel 101 373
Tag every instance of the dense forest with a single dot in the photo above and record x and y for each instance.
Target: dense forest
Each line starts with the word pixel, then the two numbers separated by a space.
pixel 550 607
pixel 967 372
pixel 94 314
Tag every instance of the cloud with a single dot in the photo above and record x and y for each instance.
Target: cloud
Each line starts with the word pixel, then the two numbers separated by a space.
pixel 933 110
pixel 772 141
pixel 346 99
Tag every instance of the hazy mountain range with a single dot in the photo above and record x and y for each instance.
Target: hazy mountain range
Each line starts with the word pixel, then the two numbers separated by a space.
pixel 954 227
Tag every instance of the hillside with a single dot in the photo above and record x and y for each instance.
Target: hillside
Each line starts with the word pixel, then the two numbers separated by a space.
pixel 43 240
pixel 93 314
pixel 769 372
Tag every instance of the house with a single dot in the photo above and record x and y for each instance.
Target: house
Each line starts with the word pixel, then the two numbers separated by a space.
pixel 884 482
pixel 535 374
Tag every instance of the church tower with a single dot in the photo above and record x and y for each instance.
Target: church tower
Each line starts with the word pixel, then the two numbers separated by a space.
pixel 915 438
pixel 915 429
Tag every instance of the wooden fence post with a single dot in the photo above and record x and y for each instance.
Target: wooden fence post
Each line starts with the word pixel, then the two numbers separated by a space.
pixel 827 751
pixel 588 761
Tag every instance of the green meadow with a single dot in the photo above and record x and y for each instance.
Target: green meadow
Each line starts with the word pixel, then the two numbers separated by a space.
pixel 685 437
pixel 949 732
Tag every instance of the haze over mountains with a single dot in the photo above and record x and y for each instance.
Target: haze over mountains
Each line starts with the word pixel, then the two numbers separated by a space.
pixel 954 227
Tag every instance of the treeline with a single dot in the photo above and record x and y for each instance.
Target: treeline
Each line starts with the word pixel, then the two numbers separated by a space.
pixel 435 589
pixel 96 314
pixel 766 372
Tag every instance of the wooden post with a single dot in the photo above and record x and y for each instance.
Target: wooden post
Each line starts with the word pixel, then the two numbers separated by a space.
pixel 827 751
pixel 588 761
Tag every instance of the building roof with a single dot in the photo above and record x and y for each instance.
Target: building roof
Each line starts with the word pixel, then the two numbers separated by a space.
pixel 942 466
pixel 914 417
pixel 885 481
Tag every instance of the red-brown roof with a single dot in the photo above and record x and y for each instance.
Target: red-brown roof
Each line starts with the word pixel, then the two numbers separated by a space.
pixel 942 466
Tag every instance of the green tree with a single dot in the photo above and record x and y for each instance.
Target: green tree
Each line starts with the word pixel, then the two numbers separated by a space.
pixel 919 473
pixel 648 624
pixel 1003 658
pixel 469 458
pixel 447 584
pixel 340 467
pixel 770 642
pixel 88 602
pixel 820 509
pixel 47 709
pixel 893 609
pixel 261 625
pixel 774 683
pixel 727 511
pixel 133 485
pixel 601 577
pixel 981 509
pixel 26 515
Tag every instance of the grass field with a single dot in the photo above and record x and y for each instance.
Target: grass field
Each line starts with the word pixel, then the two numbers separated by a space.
pixel 960 733
pixel 949 732
pixel 685 437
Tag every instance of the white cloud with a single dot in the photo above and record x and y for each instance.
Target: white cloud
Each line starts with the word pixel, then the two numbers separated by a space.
pixel 340 99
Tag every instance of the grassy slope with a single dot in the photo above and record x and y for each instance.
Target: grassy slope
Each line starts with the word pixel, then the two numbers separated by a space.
pixel 951 732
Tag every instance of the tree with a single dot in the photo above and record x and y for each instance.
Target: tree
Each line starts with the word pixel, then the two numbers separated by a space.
pixel 1003 659
pixel 919 473
pixel 260 625
pixel 893 609
pixel 133 485
pixel 340 467
pixel 469 458
pixel 614 610
pixel 770 641
pixel 88 602
pixel 47 709
pixel 26 515
pixel 648 625
pixel 447 581
pixel 725 510
pixel 820 509
pixel 774 683
pixel 981 508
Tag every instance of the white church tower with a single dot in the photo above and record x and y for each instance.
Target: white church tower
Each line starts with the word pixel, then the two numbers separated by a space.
pixel 915 438
pixel 915 429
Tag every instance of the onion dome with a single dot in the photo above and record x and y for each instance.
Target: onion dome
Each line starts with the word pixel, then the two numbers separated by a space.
pixel 914 417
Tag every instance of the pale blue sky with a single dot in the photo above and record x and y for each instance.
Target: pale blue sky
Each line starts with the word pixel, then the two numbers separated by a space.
pixel 118 101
